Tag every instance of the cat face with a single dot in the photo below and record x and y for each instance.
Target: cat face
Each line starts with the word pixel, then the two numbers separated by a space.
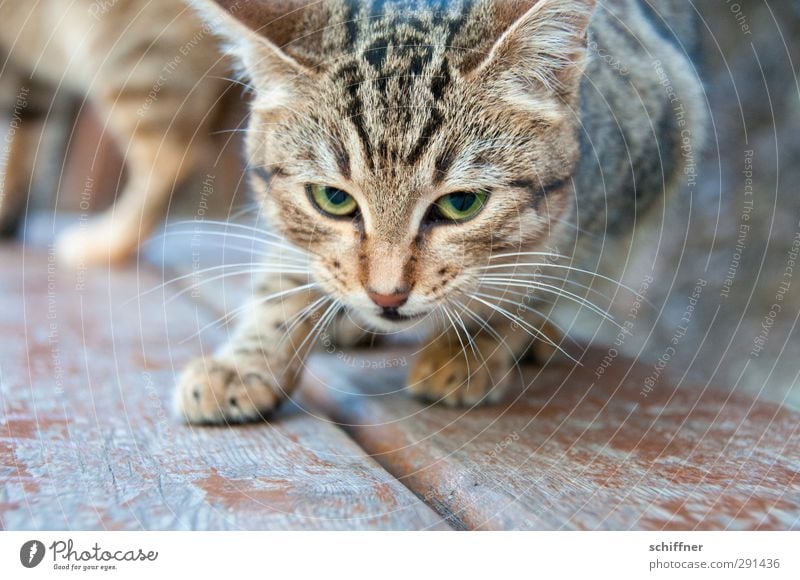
pixel 400 159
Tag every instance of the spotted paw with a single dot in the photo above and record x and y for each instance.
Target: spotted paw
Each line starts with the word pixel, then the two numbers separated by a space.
pixel 214 391
pixel 447 373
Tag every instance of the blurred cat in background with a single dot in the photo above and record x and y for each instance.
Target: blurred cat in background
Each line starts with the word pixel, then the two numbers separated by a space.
pixel 153 74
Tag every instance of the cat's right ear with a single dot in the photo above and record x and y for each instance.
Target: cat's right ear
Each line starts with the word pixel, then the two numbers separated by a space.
pixel 540 57
pixel 257 33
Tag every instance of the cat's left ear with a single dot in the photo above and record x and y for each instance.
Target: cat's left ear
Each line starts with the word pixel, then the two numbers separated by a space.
pixel 542 52
pixel 263 36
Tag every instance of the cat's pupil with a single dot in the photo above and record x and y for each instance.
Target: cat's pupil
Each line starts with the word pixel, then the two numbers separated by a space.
pixel 337 196
pixel 462 201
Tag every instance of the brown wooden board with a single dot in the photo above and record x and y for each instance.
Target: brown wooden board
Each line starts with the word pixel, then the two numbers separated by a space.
pixel 87 440
pixel 568 452
pixel 573 452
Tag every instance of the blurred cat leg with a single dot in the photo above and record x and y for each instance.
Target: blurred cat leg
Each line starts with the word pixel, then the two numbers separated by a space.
pixel 156 164
pixel 162 143
pixel 345 332
pixel 468 365
pixel 18 139
pixel 261 363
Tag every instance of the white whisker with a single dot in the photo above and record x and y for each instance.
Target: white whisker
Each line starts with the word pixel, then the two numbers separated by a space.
pixel 461 342
pixel 199 224
pixel 527 307
pixel 235 81
pixel 252 206
pixel 294 321
pixel 257 302
pixel 533 331
pixel 272 243
pixel 458 336
pixel 484 324
pixel 515 254
pixel 329 313
pixel 549 289
pixel 557 279
pixel 324 328
pixel 269 254
pixel 247 268
pixel 551 265
pixel 460 321
pixel 245 272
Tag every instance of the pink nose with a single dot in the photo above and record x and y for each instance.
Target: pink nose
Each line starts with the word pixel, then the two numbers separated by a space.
pixel 395 300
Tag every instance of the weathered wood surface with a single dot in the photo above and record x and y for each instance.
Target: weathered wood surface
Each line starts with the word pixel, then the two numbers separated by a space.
pixel 87 441
pixel 573 452
pixel 570 452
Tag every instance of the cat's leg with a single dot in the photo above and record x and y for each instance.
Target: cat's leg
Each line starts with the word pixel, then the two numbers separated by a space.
pixel 261 363
pixel 159 154
pixel 154 166
pixel 457 369
pixel 19 141
pixel 345 332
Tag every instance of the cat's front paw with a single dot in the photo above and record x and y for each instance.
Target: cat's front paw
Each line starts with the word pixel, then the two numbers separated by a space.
pixel 219 391
pixel 447 373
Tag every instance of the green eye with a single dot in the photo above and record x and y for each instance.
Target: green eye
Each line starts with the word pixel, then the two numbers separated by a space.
pixel 332 201
pixel 461 205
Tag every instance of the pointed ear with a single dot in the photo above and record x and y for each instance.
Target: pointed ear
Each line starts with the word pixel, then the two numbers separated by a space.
pixel 260 35
pixel 543 51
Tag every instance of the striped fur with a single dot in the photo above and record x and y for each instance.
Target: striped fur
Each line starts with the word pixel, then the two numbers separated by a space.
pixel 400 102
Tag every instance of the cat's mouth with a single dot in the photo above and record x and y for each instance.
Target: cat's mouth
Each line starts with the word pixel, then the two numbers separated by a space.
pixel 389 317
pixel 392 319
pixel 394 315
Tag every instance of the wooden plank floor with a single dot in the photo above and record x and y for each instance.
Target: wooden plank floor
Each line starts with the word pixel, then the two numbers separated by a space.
pixel 87 442
pixel 86 439
pixel 574 453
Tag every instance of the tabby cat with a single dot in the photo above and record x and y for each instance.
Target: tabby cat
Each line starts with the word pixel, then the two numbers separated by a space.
pixel 442 166
pixel 155 77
